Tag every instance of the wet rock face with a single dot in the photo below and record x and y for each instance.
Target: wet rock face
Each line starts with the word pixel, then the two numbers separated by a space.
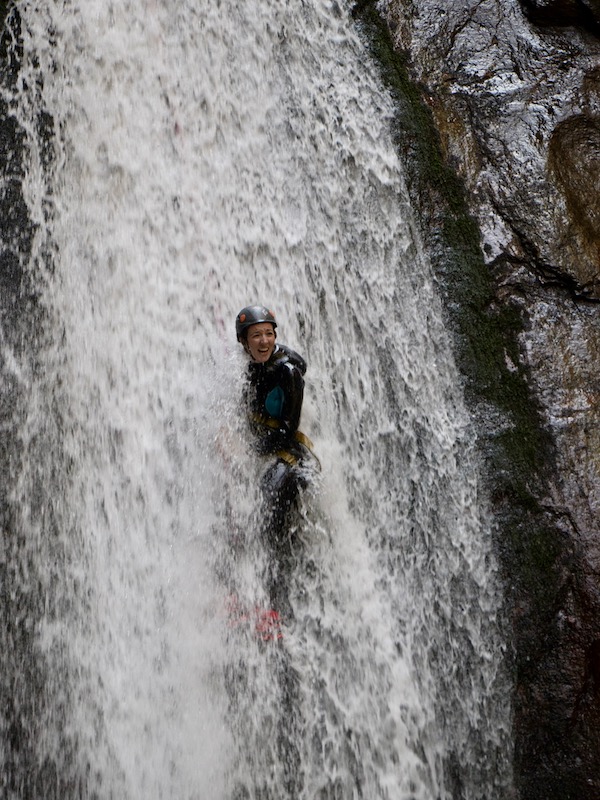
pixel 501 91
pixel 514 89
pixel 574 161
pixel 584 13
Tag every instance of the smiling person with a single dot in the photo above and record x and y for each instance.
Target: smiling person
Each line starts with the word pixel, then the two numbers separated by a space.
pixel 273 397
pixel 275 387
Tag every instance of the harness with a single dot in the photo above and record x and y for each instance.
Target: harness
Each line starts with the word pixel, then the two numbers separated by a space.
pixel 301 438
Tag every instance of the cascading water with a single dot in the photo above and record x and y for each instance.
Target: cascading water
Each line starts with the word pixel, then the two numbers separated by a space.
pixel 180 161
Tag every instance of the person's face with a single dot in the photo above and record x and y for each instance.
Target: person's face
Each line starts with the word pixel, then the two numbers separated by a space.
pixel 261 341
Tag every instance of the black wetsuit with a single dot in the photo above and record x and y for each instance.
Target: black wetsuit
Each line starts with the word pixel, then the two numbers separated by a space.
pixel 273 395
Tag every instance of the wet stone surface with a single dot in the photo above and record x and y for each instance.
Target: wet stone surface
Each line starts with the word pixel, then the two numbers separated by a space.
pixel 514 91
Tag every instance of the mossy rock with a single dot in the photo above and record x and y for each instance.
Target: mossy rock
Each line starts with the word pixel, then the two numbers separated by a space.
pixel 518 452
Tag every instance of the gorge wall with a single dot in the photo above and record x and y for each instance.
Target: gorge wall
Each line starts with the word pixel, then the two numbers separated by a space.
pixel 499 124
pixel 503 135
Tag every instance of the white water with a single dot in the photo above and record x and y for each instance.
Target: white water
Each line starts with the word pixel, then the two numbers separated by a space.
pixel 205 158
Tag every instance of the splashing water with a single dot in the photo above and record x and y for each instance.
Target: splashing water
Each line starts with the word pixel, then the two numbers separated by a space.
pixel 181 162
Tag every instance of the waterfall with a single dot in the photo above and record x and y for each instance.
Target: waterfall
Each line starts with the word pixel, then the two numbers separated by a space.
pixel 180 161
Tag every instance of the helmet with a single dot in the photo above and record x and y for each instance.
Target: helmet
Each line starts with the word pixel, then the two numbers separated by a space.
pixel 252 315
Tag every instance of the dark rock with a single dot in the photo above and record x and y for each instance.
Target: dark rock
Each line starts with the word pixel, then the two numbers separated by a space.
pixel 513 90
pixel 560 13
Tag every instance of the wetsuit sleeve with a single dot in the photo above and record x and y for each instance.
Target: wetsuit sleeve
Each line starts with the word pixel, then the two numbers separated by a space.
pixel 293 390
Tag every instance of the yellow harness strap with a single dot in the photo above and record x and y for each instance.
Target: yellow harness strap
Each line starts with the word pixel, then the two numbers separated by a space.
pixel 289 458
pixel 301 438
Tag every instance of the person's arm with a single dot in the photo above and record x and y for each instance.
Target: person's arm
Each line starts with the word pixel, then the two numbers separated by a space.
pixel 293 390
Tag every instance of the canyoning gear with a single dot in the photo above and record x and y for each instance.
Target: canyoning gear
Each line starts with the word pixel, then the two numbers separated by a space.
pixel 252 315
pixel 265 622
pixel 298 437
pixel 268 625
pixel 273 396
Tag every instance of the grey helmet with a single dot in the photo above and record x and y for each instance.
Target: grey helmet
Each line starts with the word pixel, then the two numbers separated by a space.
pixel 252 315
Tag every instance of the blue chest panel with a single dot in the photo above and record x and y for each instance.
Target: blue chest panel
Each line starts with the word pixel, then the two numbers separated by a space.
pixel 274 402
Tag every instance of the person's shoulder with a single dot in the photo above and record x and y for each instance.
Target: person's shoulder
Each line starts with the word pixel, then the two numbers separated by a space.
pixel 284 355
